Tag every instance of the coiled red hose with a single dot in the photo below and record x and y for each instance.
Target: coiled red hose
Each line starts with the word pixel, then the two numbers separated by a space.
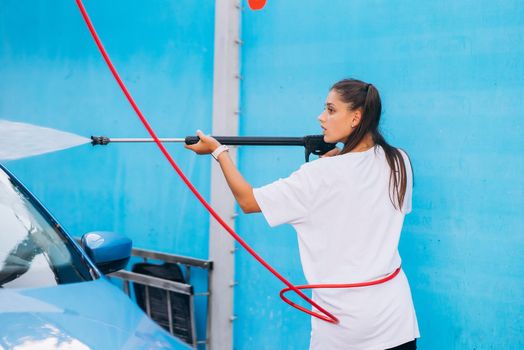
pixel 323 314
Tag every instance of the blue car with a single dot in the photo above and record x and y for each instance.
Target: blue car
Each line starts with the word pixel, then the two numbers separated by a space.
pixel 53 293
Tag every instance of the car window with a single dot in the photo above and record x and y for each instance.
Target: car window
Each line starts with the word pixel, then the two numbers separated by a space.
pixel 33 252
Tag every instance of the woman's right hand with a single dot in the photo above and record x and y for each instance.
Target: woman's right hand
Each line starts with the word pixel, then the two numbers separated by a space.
pixel 335 151
pixel 205 145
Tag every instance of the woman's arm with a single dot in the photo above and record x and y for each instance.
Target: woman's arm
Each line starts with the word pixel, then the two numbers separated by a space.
pixel 242 190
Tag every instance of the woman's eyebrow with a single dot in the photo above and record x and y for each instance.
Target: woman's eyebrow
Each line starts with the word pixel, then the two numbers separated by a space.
pixel 329 104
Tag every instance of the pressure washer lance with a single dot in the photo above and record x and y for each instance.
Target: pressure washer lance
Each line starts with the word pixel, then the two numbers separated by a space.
pixel 313 144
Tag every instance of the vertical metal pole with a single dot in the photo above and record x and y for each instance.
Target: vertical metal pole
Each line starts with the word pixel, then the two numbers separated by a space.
pixel 226 85
pixel 209 300
pixel 169 312
pixel 192 318
pixel 188 274
pixel 148 303
pixel 126 287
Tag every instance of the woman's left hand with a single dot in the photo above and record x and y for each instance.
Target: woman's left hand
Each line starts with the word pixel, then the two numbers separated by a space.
pixel 206 145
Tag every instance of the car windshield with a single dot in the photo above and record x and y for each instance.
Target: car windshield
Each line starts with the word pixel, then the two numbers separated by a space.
pixel 33 250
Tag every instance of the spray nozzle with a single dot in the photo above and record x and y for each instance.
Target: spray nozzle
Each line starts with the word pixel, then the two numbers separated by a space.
pixel 99 140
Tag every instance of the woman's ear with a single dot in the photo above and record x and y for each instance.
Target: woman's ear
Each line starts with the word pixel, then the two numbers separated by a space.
pixel 356 117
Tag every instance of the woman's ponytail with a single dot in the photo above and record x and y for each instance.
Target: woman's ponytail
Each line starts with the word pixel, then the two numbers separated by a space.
pixel 366 97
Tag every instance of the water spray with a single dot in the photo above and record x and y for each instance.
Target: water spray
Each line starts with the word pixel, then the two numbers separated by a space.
pixel 313 144
pixel 21 140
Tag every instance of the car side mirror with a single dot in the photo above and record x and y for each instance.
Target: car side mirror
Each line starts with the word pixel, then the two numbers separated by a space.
pixel 109 251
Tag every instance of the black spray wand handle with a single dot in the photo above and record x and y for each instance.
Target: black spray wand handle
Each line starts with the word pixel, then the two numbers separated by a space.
pixel 313 144
pixel 251 140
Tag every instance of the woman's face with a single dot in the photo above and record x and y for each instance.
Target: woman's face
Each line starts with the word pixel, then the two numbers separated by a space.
pixel 337 120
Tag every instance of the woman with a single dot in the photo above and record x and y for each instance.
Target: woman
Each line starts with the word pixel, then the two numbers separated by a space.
pixel 348 209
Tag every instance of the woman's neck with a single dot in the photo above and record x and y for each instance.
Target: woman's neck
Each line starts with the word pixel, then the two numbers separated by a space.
pixel 365 144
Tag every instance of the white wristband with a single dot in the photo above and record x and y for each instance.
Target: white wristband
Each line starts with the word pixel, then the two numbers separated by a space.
pixel 219 150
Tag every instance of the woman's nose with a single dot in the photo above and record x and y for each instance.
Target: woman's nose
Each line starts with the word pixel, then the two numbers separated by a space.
pixel 321 117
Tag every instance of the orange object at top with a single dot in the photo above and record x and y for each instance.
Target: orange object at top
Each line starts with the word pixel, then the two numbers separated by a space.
pixel 256 4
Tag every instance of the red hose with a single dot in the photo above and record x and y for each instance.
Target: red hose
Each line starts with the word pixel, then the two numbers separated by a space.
pixel 324 314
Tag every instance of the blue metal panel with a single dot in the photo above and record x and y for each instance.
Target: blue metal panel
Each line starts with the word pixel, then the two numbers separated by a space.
pixel 451 77
pixel 52 75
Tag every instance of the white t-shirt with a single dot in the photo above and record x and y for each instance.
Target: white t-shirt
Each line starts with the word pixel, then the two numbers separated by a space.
pixel 348 232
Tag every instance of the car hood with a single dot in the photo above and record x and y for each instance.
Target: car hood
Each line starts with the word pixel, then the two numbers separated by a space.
pixel 87 315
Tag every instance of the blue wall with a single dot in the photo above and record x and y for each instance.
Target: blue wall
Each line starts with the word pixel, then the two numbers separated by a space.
pixel 51 74
pixel 451 75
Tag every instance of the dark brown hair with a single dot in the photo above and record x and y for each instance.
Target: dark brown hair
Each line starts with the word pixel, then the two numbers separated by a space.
pixel 364 96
